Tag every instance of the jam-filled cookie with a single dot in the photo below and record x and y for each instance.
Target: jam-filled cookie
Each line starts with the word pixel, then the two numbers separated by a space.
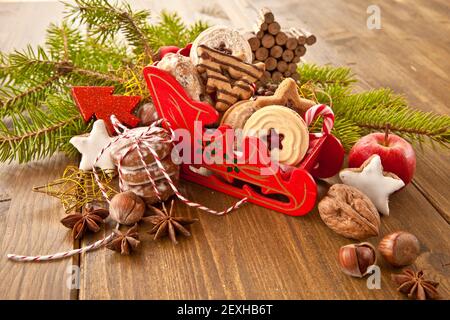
pixel 285 123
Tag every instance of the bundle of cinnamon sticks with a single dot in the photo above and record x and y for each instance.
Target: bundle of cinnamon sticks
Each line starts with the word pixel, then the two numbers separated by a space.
pixel 280 50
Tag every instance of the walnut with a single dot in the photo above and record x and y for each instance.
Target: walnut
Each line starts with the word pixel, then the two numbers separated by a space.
pixel 349 212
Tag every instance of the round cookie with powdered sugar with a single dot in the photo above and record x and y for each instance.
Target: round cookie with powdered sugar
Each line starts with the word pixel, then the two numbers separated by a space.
pixel 182 69
pixel 225 39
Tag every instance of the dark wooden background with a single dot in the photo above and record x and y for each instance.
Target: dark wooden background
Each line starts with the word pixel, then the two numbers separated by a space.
pixel 254 252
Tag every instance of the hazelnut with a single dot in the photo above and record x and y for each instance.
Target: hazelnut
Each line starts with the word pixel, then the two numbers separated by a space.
pixel 399 248
pixel 355 259
pixel 349 212
pixel 126 208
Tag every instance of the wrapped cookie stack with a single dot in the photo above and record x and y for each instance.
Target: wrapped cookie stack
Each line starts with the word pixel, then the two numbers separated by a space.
pixel 280 50
pixel 135 164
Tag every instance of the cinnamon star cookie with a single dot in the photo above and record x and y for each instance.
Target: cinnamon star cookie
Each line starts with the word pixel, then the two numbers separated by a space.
pixel 91 145
pixel 372 181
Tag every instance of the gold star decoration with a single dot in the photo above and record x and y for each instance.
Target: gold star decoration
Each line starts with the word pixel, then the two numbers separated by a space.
pixel 77 188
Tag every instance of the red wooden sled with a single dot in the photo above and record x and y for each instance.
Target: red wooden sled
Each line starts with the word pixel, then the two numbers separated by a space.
pixel 291 192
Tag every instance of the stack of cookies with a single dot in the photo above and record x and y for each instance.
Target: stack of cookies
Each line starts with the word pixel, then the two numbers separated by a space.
pixel 133 172
pixel 279 50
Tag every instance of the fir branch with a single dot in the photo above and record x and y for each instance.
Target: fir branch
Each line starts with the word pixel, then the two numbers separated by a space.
pixel 36 89
pixel 347 132
pixel 106 20
pixel 372 110
pixel 194 30
pixel 325 75
pixel 39 133
pixel 10 138
pixel 63 41
pixel 13 100
pixel 171 29
pixel 97 75
pixel 28 86
pixel 30 64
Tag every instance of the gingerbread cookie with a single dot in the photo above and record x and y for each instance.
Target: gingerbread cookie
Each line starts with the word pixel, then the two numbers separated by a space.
pixel 182 69
pixel 372 181
pixel 131 159
pixel 148 114
pixel 227 76
pixel 134 172
pixel 223 39
pixel 140 176
pixel 286 95
pixel 289 126
pixel 147 191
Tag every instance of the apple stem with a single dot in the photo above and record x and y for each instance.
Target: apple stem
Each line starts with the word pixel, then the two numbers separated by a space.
pixel 386 134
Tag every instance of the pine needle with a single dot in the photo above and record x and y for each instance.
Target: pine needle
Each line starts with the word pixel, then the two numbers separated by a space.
pixel 38 116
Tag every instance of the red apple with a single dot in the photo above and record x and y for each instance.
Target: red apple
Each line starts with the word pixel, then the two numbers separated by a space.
pixel 397 155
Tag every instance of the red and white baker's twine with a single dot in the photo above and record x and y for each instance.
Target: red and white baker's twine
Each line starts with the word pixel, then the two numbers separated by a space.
pixel 144 138
pixel 61 255
pixel 140 137
pixel 327 114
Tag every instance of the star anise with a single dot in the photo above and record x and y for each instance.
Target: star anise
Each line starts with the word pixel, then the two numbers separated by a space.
pixel 166 224
pixel 126 242
pixel 89 219
pixel 415 285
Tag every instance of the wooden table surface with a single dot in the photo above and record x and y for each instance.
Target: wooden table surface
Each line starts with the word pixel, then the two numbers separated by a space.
pixel 253 253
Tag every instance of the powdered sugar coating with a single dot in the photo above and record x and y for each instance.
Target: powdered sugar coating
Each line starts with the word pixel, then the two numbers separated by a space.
pixel 185 72
pixel 214 36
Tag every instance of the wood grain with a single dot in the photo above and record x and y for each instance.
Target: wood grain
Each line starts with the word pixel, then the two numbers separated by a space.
pixel 408 55
pixel 30 225
pixel 254 252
